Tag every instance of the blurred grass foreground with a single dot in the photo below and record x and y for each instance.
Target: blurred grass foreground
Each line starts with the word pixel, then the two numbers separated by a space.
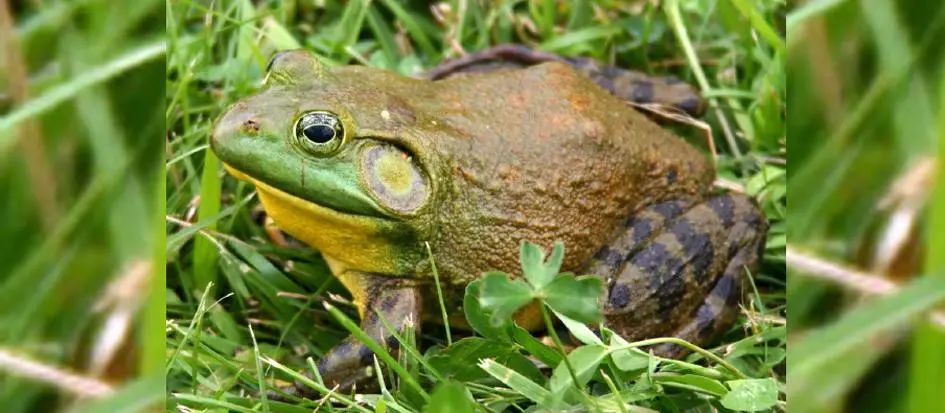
pixel 867 226
pixel 81 242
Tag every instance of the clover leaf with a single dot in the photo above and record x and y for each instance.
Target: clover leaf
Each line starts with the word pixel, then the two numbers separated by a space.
pixel 575 297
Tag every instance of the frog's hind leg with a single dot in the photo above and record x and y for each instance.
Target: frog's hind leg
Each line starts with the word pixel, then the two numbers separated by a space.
pixel 630 85
pixel 503 56
pixel 351 362
pixel 714 315
pixel 675 270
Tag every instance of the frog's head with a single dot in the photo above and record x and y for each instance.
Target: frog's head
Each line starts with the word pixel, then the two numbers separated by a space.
pixel 335 161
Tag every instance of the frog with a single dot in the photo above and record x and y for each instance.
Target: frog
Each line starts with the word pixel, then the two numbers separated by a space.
pixel 390 177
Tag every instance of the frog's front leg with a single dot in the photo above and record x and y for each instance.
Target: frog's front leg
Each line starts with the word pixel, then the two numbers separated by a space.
pixel 676 269
pixel 397 300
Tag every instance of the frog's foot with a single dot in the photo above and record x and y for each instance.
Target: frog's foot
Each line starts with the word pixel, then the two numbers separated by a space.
pixel 630 85
pixel 351 363
pixel 676 268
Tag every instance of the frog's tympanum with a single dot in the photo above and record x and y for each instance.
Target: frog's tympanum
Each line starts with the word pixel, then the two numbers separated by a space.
pixel 368 166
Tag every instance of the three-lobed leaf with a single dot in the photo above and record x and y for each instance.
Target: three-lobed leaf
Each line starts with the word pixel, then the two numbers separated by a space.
pixel 478 318
pixel 538 272
pixel 575 297
pixel 503 296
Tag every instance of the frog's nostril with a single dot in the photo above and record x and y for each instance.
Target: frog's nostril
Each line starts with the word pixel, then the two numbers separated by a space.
pixel 237 121
pixel 250 126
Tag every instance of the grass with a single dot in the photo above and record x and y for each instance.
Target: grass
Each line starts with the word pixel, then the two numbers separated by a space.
pixel 217 53
pixel 868 93
pixel 80 164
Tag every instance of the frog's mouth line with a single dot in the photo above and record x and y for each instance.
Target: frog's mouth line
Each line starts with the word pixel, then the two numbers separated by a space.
pixel 315 208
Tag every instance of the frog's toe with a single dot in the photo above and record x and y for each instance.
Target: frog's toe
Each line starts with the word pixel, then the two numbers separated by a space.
pixel 351 362
pixel 346 365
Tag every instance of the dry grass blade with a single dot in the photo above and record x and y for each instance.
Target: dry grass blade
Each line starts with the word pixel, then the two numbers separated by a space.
pixel 852 279
pixel 62 379
pixel 29 136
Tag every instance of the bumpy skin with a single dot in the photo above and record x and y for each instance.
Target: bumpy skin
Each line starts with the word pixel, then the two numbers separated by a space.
pixel 475 164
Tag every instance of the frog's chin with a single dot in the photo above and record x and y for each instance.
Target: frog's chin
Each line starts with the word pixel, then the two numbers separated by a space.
pixel 335 234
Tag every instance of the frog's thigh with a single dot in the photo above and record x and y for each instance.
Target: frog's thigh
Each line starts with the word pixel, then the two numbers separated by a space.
pixel 675 267
pixel 350 362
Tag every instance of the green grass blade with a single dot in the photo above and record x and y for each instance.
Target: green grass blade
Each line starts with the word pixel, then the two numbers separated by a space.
pixel 63 92
pixel 927 368
pixel 378 350
pixel 515 381
pixel 809 10
pixel 759 23
pixel 137 396
pixel 205 252
pixel 818 348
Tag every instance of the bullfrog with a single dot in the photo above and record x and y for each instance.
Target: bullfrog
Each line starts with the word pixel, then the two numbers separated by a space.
pixel 370 167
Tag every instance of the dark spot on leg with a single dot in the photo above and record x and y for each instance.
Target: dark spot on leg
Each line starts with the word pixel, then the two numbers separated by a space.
pixel 612 258
pixel 669 294
pixel 619 295
pixel 691 105
pixel 705 321
pixel 726 288
pixel 611 71
pixel 366 356
pixel 388 303
pixel 641 227
pixel 642 92
pixel 697 247
pixel 668 209
pixel 392 344
pixel 724 208
pixel 606 83
pixel 657 263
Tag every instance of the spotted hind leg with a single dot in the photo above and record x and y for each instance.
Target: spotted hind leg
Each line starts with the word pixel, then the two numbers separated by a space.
pixel 713 317
pixel 676 269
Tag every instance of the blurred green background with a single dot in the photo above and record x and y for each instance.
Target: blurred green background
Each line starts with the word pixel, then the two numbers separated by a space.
pixel 868 112
pixel 81 152
pixel 267 297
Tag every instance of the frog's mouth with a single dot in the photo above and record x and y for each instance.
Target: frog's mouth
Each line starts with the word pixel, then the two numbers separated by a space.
pixel 315 207
pixel 334 233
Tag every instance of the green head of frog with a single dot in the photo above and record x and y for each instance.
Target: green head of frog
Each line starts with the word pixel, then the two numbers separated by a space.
pixel 335 163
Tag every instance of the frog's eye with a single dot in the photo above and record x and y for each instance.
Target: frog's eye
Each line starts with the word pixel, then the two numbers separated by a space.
pixel 319 132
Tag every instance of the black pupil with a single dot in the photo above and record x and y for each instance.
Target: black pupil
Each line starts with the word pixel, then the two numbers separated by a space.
pixel 319 133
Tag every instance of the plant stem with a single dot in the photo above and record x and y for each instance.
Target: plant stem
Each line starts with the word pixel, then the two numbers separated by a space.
pixel 554 337
pixel 439 296
pixel 680 342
